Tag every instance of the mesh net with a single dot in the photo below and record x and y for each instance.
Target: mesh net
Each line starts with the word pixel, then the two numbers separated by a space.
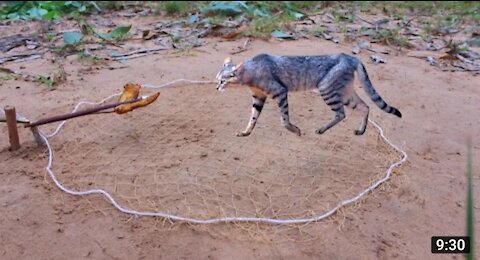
pixel 180 156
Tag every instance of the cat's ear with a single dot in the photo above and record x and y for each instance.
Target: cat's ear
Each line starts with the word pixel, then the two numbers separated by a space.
pixel 227 60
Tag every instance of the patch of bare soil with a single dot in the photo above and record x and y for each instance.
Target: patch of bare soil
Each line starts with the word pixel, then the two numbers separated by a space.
pixel 180 156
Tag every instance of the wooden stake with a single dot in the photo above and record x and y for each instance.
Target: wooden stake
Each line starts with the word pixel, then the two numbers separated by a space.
pixel 11 117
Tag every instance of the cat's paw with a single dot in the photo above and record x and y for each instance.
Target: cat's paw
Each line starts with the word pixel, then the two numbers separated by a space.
pixel 320 131
pixel 242 134
pixel 358 132
pixel 294 129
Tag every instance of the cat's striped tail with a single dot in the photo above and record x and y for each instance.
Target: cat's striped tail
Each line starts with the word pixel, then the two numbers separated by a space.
pixel 367 86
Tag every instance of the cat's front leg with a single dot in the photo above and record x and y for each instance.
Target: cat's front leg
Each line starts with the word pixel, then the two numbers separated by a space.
pixel 258 102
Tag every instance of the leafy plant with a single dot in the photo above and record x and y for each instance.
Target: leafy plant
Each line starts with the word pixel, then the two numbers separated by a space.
pixel 48 10
pixel 117 34
pixel 175 7
pixel 264 26
pixel 227 8
pixel 84 56
pixel 282 35
pixel 318 31
pixel 45 80
pixel 72 38
pixel 390 37
pixel 474 42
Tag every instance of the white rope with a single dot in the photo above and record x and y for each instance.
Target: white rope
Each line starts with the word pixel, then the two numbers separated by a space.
pixel 180 80
pixel 212 220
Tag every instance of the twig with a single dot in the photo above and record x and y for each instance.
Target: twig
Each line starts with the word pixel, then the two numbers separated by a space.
pixel 464 68
pixel 138 52
pixel 377 51
pixel 79 113
pixel 408 22
pixel 32 57
pixel 243 48
pixel 27 56
pixel 460 57
pixel 377 23
pixel 133 56
pixel 365 20
pixel 13 41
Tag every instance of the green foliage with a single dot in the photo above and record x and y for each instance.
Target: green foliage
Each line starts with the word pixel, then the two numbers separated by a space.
pixel 265 17
pixel 47 10
pixel 72 38
pixel 474 42
pixel 318 31
pixel 255 9
pixel 82 56
pixel 264 26
pixel 441 25
pixel 390 37
pixel 282 35
pixel 117 34
pixel 176 7
pixel 45 80
pixel 226 8
pixel 5 75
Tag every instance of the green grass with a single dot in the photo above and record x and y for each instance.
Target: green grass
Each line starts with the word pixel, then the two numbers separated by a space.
pixel 423 7
pixel 390 37
pixel 45 80
pixel 470 205
pixel 181 8
pixel 36 10
pixel 265 17
pixel 45 10
pixel 263 26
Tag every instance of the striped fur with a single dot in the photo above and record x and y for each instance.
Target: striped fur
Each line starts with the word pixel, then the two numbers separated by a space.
pixel 275 76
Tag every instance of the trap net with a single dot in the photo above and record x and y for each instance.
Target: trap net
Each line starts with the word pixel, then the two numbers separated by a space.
pixel 180 159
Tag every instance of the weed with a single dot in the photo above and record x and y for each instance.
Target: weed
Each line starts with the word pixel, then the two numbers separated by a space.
pixel 48 10
pixel 390 37
pixel 118 34
pixel 49 36
pixel 176 7
pixel 82 56
pixel 318 31
pixel 264 26
pixel 6 77
pixel 45 80
pixel 343 16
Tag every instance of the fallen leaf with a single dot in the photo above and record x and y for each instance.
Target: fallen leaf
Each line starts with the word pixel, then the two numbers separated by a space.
pixel 282 35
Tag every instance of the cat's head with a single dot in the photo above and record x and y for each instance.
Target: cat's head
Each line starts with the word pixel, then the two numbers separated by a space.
pixel 227 74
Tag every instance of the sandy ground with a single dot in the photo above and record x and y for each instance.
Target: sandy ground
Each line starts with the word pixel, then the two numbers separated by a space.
pixel 190 131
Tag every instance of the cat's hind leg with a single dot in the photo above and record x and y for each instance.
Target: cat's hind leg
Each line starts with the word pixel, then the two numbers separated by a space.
pixel 282 100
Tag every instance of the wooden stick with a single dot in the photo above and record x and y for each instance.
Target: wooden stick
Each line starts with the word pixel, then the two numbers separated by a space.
pixel 79 113
pixel 11 116
pixel 141 51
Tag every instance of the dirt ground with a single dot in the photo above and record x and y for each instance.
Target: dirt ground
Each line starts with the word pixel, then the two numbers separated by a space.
pixel 188 136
